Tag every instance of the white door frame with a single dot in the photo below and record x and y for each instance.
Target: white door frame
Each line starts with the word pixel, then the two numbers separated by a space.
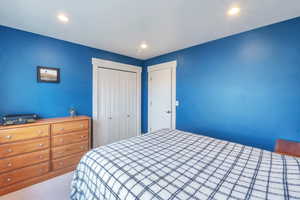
pixel 100 63
pixel 167 65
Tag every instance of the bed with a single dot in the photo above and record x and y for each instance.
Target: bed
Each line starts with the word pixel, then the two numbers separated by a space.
pixel 172 164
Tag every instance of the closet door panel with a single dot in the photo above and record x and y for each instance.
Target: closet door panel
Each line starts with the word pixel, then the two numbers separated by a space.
pixel 123 81
pixel 108 96
pixel 117 99
pixel 107 111
pixel 101 136
pixel 128 91
pixel 114 103
pixel 131 105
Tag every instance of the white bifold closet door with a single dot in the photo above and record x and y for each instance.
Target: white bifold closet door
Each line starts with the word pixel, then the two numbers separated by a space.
pixel 117 104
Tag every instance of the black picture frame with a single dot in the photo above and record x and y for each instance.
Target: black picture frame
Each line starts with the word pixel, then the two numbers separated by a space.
pixel 46 78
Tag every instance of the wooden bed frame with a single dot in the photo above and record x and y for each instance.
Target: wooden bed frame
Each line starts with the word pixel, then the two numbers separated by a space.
pixel 286 147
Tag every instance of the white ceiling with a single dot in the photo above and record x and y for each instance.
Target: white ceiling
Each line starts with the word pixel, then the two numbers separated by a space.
pixel 121 26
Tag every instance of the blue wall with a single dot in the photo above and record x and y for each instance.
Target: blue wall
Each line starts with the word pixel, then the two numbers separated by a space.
pixel 21 52
pixel 244 88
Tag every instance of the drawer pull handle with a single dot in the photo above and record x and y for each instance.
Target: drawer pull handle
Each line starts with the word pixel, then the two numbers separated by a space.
pixel 9 164
pixel 41 170
pixel 8 179
pixel 62 129
pixel 61 140
pixel 8 137
pixel 40 157
pixel 61 163
pixel 81 125
pixel 81 147
pixel 41 145
pixel 82 136
pixel 9 150
pixel 40 132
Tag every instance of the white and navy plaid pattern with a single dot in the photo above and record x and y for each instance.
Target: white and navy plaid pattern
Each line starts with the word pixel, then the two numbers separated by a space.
pixel 171 164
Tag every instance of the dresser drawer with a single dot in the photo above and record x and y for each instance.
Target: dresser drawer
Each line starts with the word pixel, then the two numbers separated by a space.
pixel 16 134
pixel 12 149
pixel 66 150
pixel 67 161
pixel 69 138
pixel 23 174
pixel 24 160
pixel 66 127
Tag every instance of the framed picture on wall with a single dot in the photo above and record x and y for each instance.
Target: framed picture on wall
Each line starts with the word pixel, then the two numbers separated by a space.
pixel 48 74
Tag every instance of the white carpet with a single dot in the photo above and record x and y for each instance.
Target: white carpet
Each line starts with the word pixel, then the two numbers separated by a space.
pixel 57 188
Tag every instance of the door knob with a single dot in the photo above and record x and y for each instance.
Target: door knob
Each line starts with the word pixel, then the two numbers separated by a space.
pixel 9 150
pixel 8 137
pixel 168 112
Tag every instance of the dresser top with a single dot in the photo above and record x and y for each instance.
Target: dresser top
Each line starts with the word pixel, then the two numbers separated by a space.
pixel 47 121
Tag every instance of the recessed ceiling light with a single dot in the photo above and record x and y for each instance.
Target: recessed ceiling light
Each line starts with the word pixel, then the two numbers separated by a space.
pixel 63 18
pixel 144 46
pixel 234 11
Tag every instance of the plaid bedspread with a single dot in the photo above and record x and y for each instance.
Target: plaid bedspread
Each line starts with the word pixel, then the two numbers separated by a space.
pixel 171 164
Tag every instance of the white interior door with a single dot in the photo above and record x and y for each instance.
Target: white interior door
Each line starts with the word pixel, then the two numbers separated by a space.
pixel 117 106
pixel 160 97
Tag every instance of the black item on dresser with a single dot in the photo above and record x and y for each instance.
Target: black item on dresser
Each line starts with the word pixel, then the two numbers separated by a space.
pixel 18 119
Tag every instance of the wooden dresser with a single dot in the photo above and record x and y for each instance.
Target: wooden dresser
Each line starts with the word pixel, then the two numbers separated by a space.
pixel 289 148
pixel 32 153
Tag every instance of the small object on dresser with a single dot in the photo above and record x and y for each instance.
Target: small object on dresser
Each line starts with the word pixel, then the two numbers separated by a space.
pixel 19 119
pixel 72 112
